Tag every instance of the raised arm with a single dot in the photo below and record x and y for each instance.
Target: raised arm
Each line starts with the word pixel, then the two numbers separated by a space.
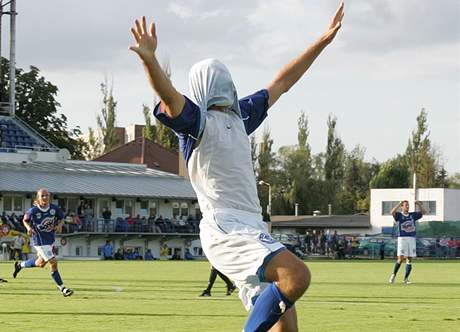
pixel 294 70
pixel 146 45
pixel 394 209
pixel 421 207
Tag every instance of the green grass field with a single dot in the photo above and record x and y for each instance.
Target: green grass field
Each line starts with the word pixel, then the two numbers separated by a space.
pixel 163 296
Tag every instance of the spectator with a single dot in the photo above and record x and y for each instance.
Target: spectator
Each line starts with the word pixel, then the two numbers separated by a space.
pixel 17 247
pixel 382 250
pixel 107 251
pixel 130 223
pixel 107 216
pixel 118 255
pixel 148 255
pixel 188 255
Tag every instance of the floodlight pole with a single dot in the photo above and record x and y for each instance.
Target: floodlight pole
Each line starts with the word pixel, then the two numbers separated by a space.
pixel 12 56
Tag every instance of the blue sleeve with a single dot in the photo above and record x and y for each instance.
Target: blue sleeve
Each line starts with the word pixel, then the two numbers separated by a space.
pixel 396 216
pixel 254 110
pixel 187 126
pixel 188 121
pixel 417 215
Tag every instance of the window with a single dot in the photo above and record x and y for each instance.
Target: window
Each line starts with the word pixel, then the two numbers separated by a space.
pixel 387 206
pixel 184 209
pixel 143 207
pixel 72 204
pixel 175 209
pixel 197 211
pixel 8 203
pixel 430 207
pixel 78 251
pixel 13 203
pixel 17 204
pixel 62 203
pixel 104 204
pixel 119 206
pixel 129 207
pixel 153 209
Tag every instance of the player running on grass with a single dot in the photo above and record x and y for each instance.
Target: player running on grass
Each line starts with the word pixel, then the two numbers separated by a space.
pixel 405 221
pixel 213 128
pixel 41 222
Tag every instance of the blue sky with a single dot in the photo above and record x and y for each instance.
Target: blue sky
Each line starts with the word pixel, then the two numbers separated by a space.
pixel 390 59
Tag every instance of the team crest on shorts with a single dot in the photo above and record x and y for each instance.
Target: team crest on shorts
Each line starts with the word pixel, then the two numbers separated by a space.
pixel 266 238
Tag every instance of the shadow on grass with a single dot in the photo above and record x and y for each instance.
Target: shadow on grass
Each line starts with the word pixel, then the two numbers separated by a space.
pixel 28 313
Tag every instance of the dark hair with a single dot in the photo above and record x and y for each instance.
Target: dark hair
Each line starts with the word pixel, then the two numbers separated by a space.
pixel 405 201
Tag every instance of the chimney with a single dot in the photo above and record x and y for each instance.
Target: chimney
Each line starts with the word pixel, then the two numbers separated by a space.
pixel 182 167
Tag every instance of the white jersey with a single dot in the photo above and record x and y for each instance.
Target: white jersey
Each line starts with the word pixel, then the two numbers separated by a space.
pixel 221 169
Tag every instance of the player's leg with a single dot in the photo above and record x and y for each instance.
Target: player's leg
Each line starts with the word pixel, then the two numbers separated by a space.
pixel 396 267
pixel 57 278
pixel 287 322
pixel 230 286
pixel 408 270
pixel 212 279
pixel 289 278
pixel 27 264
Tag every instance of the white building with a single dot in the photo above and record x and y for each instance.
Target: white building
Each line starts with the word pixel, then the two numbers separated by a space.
pixel 442 204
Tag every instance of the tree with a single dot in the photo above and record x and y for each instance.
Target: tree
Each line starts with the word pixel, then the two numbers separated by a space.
pixel 106 121
pixel 94 146
pixel 421 156
pixel 165 136
pixel 265 165
pixel 454 181
pixel 37 106
pixel 148 130
pixel 334 161
pixel 394 173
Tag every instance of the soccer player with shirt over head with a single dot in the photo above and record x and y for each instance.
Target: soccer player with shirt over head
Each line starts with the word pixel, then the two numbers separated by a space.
pixel 213 128
pixel 41 222
pixel 405 222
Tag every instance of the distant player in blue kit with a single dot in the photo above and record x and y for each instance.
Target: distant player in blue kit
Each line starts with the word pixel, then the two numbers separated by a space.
pixel 406 226
pixel 41 222
pixel 213 128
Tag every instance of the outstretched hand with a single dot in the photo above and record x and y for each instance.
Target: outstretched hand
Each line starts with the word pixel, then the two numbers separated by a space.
pixel 335 24
pixel 146 40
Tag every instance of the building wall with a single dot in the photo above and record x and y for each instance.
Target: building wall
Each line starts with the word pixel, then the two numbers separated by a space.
pixel 451 204
pixel 447 204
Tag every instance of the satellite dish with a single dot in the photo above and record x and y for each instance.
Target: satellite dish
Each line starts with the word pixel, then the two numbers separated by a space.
pixel 63 155
pixel 32 156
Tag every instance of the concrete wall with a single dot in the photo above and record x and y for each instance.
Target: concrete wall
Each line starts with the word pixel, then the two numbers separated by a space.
pixel 451 204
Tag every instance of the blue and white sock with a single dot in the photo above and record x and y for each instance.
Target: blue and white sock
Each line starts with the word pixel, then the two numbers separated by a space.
pixel 28 263
pixel 57 279
pixel 270 305
pixel 408 270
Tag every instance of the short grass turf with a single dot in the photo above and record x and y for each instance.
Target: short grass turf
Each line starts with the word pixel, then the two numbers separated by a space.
pixel 163 296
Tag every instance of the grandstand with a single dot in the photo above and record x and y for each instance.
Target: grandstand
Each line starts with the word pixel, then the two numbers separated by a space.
pixel 15 134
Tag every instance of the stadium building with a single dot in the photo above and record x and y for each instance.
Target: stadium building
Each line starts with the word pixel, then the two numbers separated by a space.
pixel 132 192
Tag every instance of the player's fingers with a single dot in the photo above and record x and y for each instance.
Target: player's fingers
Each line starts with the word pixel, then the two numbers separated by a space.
pixel 138 27
pixel 135 35
pixel 153 29
pixel 144 25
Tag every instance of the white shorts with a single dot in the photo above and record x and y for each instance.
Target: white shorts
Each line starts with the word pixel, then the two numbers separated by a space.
pixel 407 246
pixel 238 244
pixel 45 252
